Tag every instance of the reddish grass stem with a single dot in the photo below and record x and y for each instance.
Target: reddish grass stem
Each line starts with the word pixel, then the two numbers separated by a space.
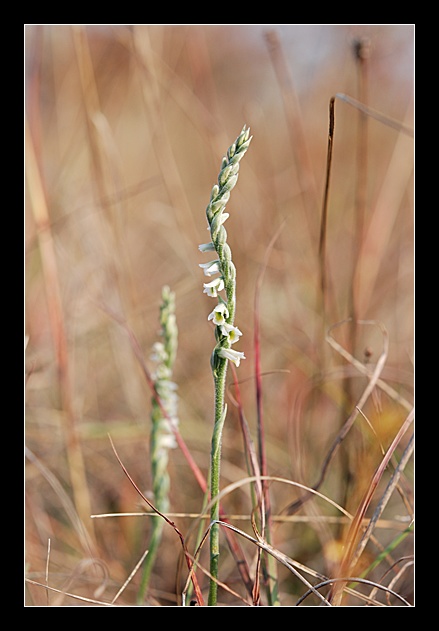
pixel 271 571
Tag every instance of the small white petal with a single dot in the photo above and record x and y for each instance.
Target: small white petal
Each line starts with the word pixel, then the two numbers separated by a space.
pixel 210 268
pixel 206 247
pixel 234 356
pixel 210 291
pixel 212 288
pixel 158 352
pixel 232 332
pixel 219 314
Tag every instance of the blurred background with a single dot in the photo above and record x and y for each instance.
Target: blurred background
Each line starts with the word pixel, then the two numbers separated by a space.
pixel 126 127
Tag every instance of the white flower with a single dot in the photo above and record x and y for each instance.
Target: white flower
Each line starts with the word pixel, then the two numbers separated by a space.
pixel 206 247
pixel 232 332
pixel 164 443
pixel 210 268
pixel 212 288
pixel 219 314
pixel 158 352
pixel 234 356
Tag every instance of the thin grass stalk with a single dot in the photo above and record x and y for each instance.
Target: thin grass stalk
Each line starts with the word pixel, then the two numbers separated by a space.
pixel 270 567
pixel 253 469
pixel 361 51
pixel 223 316
pixel 324 218
pixel 131 576
pixel 346 480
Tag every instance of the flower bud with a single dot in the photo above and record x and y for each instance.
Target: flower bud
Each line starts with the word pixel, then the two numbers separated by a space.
pixel 230 183
pixel 224 175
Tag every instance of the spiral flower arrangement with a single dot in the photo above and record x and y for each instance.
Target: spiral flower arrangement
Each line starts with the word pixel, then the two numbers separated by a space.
pixel 223 288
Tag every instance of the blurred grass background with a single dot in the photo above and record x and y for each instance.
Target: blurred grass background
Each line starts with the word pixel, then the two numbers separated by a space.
pixel 126 127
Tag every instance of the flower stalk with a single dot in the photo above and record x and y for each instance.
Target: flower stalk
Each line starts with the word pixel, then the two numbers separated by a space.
pixel 163 416
pixel 222 316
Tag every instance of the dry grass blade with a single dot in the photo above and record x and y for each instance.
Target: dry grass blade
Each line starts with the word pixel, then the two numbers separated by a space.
pixel 92 601
pixel 295 567
pixel 395 524
pixel 324 219
pixel 130 577
pixel 262 544
pixel 379 116
pixel 357 580
pixel 352 536
pixel 401 572
pixel 249 447
pixel 384 499
pixel 396 578
pixel 279 556
pixel 365 370
pixel 373 378
pixel 235 485
pixel 47 569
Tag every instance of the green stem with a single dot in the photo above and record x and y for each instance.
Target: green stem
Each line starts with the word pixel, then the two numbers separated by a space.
pixel 215 463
